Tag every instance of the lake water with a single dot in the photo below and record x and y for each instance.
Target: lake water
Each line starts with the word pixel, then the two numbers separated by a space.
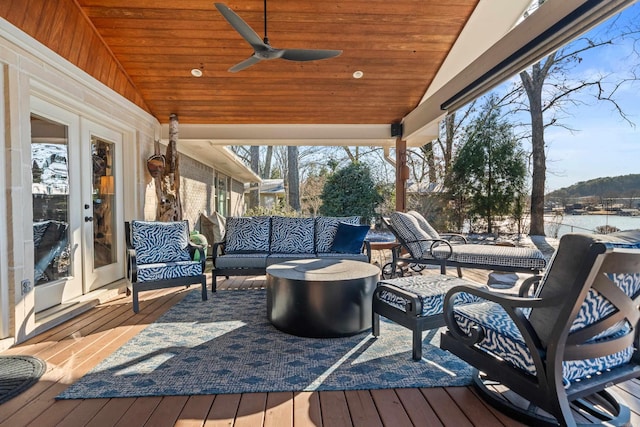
pixel 587 223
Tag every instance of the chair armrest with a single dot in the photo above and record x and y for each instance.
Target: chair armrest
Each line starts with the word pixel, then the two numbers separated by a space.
pixel 435 243
pixel 197 249
pixel 525 289
pixel 132 267
pixel 512 305
pixel 413 307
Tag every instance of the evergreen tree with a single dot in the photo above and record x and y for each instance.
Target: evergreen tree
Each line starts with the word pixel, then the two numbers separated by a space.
pixel 350 191
pixel 489 170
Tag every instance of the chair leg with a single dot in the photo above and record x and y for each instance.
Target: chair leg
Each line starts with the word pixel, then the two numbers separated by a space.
pixel 204 288
pixel 459 271
pixel 417 343
pixel 214 283
pixel 134 293
pixel 375 324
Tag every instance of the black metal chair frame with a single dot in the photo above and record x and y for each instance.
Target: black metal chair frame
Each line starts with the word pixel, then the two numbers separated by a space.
pixel 546 390
pixel 134 287
pixel 402 256
pixel 410 318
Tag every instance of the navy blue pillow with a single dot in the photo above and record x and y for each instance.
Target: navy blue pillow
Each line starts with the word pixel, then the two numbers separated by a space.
pixel 349 238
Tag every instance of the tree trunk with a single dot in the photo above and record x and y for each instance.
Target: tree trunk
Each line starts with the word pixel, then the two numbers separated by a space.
pixel 533 86
pixel 293 177
pixel 169 206
pixel 449 122
pixel 266 173
pixel 254 190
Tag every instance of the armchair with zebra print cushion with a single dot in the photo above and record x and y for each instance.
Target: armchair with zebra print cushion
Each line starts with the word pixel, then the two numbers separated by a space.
pixel 160 255
pixel 560 349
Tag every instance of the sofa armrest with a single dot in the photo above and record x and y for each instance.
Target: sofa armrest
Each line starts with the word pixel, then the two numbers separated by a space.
pixel 214 250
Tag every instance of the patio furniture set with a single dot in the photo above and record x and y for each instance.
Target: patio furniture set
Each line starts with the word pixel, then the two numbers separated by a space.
pixel 557 344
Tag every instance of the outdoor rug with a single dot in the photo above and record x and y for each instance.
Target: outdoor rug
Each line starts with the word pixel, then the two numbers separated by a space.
pixel 18 373
pixel 227 345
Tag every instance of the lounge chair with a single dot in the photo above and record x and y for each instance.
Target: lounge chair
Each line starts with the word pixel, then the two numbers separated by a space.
pixel 160 255
pixel 557 351
pixel 421 245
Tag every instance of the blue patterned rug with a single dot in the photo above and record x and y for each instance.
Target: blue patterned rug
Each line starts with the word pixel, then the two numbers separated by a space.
pixel 227 345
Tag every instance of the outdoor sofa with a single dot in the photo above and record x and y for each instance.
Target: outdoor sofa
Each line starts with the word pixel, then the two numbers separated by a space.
pixel 251 244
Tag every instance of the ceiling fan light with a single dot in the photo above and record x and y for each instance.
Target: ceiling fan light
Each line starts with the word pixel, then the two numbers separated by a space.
pixel 358 74
pixel 196 72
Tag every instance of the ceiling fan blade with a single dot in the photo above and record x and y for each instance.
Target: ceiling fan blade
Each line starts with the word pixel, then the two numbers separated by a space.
pixel 309 54
pixel 241 27
pixel 244 64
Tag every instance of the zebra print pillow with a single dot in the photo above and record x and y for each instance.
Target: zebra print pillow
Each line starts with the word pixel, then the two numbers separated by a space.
pixel 326 228
pixel 160 241
pixel 292 235
pixel 247 234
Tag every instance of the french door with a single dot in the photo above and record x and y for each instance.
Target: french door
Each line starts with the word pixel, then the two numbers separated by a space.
pixel 77 217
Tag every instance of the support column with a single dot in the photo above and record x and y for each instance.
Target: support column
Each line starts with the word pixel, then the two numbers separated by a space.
pixel 402 174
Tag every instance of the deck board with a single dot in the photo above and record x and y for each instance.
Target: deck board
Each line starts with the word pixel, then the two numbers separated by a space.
pixel 74 347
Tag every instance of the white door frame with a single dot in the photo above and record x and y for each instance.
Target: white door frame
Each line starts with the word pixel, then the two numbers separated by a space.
pixel 56 292
pixel 96 278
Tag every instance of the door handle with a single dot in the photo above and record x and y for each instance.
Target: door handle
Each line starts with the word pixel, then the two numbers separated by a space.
pixel 88 219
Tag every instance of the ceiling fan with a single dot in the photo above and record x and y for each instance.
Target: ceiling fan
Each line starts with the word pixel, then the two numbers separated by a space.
pixel 261 47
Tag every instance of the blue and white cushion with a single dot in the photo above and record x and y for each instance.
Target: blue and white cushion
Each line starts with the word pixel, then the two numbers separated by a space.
pixel 326 228
pixel 503 339
pixel 158 242
pixel 430 290
pixel 248 234
pixel 292 235
pixel 169 270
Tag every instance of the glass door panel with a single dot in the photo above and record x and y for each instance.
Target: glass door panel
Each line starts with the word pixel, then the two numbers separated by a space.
pixel 104 244
pixel 50 194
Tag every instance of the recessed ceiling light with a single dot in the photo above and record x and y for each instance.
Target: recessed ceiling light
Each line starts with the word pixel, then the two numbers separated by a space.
pixel 358 74
pixel 196 72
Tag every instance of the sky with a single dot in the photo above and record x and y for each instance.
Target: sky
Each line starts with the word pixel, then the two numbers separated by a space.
pixel 602 143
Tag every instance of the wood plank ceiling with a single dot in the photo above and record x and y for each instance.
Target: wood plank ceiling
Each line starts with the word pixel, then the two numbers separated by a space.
pixel 145 50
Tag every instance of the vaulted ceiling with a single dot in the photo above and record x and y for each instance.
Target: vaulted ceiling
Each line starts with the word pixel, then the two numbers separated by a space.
pixel 406 50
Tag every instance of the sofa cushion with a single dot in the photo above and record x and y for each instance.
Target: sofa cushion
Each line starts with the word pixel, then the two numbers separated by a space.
pixel 326 229
pixel 292 235
pixel 248 234
pixel 336 255
pixel 349 238
pixel 158 242
pixel 281 257
pixel 254 260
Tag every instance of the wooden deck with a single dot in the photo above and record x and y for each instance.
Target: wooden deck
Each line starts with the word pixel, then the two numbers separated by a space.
pixel 76 346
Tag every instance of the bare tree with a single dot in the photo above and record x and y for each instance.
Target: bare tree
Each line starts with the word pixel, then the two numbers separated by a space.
pixel 293 177
pixel 549 87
